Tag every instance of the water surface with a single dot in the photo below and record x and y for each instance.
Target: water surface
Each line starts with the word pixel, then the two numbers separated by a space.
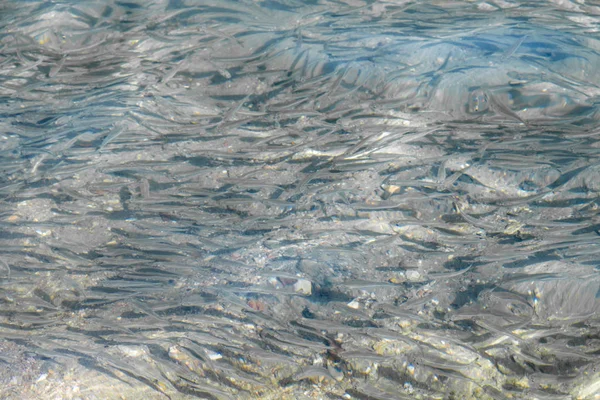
pixel 293 199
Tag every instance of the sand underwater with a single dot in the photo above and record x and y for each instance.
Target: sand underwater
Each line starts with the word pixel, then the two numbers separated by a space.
pixel 321 199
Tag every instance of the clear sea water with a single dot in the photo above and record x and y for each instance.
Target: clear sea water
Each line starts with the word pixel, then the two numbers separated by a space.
pixel 326 199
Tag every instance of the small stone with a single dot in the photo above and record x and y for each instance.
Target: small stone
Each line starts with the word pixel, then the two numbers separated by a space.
pixel 303 286
pixel 413 275
pixel 257 305
pixel 354 304
pixel 13 218
pixel 513 228
pixel 391 189
pixel 405 323
pixel 214 356
pixel 132 351
pixel 522 383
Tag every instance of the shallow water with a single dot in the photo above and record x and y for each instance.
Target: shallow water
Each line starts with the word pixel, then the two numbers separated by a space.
pixel 293 199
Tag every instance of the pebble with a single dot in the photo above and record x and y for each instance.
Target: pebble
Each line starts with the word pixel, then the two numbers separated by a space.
pixel 354 304
pixel 214 356
pixel 303 286
pixel 413 275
